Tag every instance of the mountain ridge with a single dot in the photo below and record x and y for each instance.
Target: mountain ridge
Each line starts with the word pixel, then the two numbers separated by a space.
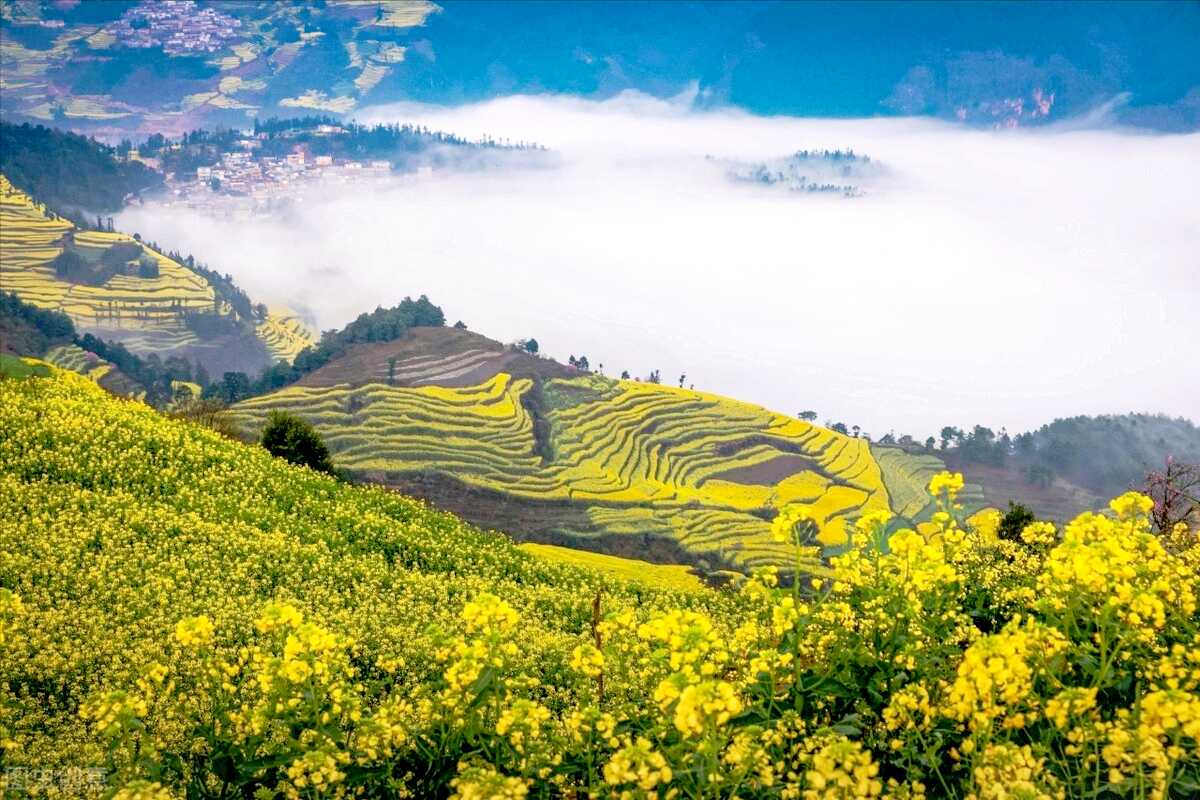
pixel 987 64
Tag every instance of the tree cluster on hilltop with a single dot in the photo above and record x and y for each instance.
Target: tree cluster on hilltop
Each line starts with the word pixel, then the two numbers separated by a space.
pixel 69 172
pixel 1104 454
pixel 321 135
pixel 381 325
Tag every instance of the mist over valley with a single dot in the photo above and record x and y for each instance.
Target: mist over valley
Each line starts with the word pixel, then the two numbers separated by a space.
pixel 1005 277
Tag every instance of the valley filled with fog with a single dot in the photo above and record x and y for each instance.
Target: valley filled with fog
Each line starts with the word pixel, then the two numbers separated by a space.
pixel 994 277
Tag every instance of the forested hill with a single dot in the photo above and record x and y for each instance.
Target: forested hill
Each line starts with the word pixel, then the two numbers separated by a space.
pixel 1070 464
pixel 69 172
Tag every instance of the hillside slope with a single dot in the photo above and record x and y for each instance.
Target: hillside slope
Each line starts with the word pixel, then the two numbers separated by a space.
pixel 197 619
pixel 147 305
pixel 116 522
pixel 551 454
pixel 121 66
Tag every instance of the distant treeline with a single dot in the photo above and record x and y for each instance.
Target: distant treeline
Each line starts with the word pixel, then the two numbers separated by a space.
pixel 321 135
pixel 1106 455
pixel 381 325
pixel 806 171
pixel 68 172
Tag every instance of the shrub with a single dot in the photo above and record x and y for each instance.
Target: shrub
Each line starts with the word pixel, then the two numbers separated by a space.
pixel 291 438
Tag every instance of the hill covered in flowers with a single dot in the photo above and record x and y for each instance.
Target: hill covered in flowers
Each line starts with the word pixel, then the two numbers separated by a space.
pixel 558 455
pixel 192 618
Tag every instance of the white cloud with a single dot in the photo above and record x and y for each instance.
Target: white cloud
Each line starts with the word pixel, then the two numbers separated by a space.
pixel 999 278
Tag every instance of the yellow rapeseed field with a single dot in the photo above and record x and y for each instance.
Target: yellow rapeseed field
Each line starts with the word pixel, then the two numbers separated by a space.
pixel 633 446
pixel 188 617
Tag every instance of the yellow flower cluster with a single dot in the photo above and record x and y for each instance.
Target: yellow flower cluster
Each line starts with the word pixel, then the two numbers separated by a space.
pixel 995 677
pixel 485 783
pixel 488 613
pixel 113 711
pixel 194 631
pixel 947 484
pixel 1011 772
pixel 316 772
pixel 587 660
pixel 276 616
pixel 784 527
pixel 144 790
pixel 1070 704
pixel 522 722
pixel 842 769
pixel 700 706
pixel 638 765
pixel 10 608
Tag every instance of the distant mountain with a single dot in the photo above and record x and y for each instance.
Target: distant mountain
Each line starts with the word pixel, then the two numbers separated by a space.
pixel 1074 464
pixel 173 67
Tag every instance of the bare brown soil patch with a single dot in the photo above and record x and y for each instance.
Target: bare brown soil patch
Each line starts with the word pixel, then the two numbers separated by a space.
pixel 1061 501
pixel 767 473
pixel 425 356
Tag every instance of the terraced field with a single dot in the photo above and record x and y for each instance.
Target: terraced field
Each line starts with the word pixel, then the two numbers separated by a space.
pixel 76 359
pixel 32 237
pixel 285 333
pixel 147 313
pixel 629 459
pixel 663 576
pixel 906 476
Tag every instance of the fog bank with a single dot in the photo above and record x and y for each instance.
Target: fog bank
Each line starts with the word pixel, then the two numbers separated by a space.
pixel 1003 278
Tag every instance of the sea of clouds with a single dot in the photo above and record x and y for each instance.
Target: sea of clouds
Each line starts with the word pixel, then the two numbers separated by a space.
pixel 997 277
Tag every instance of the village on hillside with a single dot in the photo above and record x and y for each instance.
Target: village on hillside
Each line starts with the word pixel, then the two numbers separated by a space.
pixel 243 184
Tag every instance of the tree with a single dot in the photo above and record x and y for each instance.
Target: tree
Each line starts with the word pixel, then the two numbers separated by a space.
pixel 288 437
pixel 808 416
pixel 654 377
pixel 209 412
pixel 460 325
pixel 1041 475
pixel 950 433
pixel 582 363
pixel 840 427
pixel 856 429
pixel 1012 523
pixel 624 374
pixel 234 386
pixel 531 347
pixel 1175 490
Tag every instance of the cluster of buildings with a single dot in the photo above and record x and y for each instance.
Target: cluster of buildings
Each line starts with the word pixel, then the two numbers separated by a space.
pixel 243 186
pixel 178 26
